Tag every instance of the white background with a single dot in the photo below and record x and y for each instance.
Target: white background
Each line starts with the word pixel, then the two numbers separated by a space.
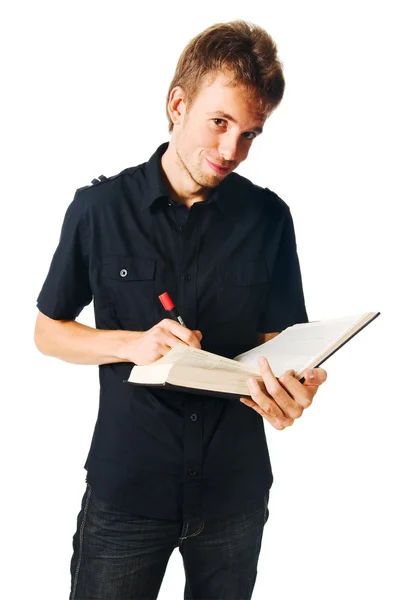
pixel 84 95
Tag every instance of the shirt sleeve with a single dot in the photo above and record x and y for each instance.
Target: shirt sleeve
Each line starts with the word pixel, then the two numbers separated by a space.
pixel 285 304
pixel 66 289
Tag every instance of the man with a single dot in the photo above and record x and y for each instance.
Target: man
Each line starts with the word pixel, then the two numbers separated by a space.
pixel 168 469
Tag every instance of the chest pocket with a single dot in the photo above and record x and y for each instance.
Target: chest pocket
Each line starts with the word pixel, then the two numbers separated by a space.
pixel 128 289
pixel 242 290
pixel 246 273
pixel 128 268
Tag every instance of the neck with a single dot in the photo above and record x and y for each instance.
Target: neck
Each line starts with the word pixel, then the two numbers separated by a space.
pixel 182 187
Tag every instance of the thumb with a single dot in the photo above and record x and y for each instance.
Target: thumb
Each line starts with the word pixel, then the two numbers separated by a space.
pixel 314 376
pixel 198 334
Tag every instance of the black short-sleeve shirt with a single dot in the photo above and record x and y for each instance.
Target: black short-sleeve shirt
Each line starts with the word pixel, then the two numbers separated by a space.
pixel 230 265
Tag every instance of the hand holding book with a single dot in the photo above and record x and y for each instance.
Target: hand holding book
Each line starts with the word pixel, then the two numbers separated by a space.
pixel 283 399
pixel 299 347
pixel 278 385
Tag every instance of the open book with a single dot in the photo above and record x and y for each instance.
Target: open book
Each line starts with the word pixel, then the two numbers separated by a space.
pixel 299 347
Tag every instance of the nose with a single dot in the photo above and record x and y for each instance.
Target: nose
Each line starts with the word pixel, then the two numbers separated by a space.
pixel 228 147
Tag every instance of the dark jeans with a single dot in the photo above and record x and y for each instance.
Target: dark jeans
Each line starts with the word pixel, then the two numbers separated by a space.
pixel 119 556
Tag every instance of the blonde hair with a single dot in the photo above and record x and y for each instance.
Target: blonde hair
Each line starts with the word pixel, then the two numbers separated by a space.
pixel 240 48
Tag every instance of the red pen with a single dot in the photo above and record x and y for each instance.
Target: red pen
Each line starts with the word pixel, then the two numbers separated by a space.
pixel 170 307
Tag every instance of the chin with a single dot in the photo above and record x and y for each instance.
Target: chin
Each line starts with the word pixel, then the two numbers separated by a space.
pixel 210 175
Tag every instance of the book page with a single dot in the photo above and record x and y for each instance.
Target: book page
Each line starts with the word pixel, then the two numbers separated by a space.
pixel 234 382
pixel 299 345
pixel 193 357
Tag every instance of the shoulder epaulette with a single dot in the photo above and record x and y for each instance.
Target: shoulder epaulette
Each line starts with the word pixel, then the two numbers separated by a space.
pixel 103 178
pixel 99 179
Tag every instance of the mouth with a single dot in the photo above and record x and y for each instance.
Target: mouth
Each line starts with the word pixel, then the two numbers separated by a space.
pixel 217 168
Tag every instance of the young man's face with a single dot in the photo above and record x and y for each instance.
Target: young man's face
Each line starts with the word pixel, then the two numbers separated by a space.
pixel 217 131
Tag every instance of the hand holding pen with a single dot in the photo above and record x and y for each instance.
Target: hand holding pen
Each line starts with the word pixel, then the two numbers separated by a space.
pixel 170 307
pixel 144 347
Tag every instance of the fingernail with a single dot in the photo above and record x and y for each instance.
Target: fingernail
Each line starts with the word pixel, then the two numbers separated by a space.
pixel 312 376
pixel 261 360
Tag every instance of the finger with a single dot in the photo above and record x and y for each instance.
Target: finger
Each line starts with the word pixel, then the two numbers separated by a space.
pixel 161 344
pixel 182 333
pixel 266 406
pixel 278 393
pixel 167 339
pixel 154 353
pixel 198 334
pixel 302 395
pixel 277 424
pixel 314 376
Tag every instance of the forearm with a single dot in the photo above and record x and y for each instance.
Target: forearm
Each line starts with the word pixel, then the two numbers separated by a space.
pixel 79 344
pixel 262 338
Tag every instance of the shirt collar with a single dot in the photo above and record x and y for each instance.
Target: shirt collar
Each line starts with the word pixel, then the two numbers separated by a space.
pixel 224 195
pixel 156 186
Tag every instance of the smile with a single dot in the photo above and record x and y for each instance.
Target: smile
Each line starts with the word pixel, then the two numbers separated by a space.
pixel 217 169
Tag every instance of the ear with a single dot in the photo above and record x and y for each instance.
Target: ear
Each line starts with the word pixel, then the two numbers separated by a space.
pixel 176 106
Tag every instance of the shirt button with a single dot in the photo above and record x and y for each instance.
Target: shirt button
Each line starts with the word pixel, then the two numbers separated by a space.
pixel 192 472
pixel 123 273
pixel 186 277
pixel 194 417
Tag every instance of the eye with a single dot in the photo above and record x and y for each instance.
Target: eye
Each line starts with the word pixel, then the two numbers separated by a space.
pixel 220 121
pixel 249 133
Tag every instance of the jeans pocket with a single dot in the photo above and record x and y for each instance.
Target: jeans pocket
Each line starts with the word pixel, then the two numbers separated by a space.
pixel 77 542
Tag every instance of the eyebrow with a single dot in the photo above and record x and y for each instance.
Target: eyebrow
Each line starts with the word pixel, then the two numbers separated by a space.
pixel 219 113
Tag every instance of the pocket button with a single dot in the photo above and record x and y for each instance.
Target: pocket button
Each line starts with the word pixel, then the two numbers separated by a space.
pixel 123 273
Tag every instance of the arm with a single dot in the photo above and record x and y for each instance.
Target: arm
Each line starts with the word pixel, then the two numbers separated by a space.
pixel 67 290
pixel 79 344
pixel 285 397
pixel 265 337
